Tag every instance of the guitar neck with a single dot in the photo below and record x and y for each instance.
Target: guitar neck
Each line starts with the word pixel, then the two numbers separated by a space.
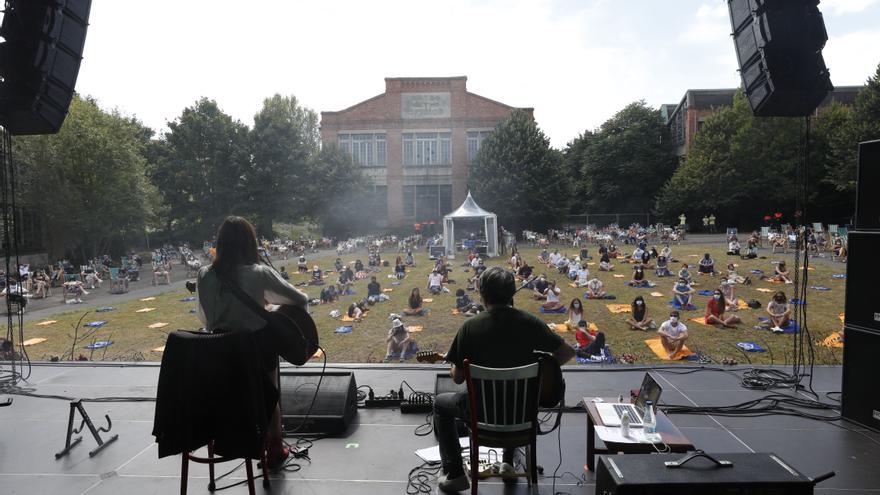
pixel 430 357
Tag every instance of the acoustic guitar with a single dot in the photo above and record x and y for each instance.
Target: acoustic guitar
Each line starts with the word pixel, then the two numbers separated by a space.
pixel 293 333
pixel 552 383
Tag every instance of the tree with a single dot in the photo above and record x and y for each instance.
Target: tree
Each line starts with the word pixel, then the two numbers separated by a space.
pixel 201 169
pixel 285 139
pixel 624 163
pixel 867 108
pixel 518 176
pixel 87 184
pixel 348 209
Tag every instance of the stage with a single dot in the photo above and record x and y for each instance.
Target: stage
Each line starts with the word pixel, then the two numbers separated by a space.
pixel 376 454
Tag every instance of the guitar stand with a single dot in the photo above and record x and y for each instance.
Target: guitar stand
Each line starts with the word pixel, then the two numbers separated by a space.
pixel 86 421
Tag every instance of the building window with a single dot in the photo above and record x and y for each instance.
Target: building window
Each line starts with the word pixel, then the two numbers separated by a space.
pixel 426 203
pixel 474 141
pixel 427 148
pixel 366 149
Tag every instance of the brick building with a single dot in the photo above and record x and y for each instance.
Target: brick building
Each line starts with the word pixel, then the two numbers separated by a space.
pixel 415 142
pixel 685 119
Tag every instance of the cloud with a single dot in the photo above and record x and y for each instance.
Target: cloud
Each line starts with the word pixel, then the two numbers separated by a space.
pixel 711 24
pixel 852 57
pixel 845 6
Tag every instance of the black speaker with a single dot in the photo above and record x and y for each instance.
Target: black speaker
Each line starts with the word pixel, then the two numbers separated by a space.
pixel 779 48
pixel 859 400
pixel 867 205
pixel 862 309
pixel 39 62
pixel 329 412
pixel 436 252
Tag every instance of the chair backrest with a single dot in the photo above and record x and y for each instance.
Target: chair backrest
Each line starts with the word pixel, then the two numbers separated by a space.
pixel 817 227
pixel 832 228
pixel 114 273
pixel 70 277
pixel 505 399
pixel 765 232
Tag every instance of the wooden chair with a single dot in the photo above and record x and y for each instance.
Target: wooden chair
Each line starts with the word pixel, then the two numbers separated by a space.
pixel 503 414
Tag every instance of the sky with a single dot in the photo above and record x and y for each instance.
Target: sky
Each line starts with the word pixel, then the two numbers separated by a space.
pixel 575 62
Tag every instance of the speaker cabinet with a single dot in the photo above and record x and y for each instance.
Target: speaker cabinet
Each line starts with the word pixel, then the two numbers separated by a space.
pixel 779 48
pixel 39 62
pixel 860 400
pixel 329 412
pixel 867 205
pixel 862 308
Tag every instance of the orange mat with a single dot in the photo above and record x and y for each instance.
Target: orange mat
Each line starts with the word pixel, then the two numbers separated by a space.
pixel 657 294
pixel 414 328
pixel 47 322
pixel 833 340
pixel 33 341
pixel 145 310
pixel 157 325
pixel 618 308
pixel 657 347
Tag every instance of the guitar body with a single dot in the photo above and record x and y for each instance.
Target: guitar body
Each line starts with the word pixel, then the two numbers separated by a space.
pixel 294 334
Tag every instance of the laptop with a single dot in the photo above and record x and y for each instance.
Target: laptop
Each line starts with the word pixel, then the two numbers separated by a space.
pixel 610 413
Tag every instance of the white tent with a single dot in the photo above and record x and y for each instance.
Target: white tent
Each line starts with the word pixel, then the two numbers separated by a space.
pixel 470 210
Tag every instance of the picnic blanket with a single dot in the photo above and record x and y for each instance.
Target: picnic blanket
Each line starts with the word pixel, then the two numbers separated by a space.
pixel 157 325
pixel 617 275
pixel 96 323
pixel 650 285
pixel 47 322
pixel 415 328
pixel 762 289
pixel 388 289
pixel 33 341
pixel 188 299
pixel 820 288
pixel 657 294
pixel 833 340
pixel 676 305
pixel 343 329
pixel 104 310
pixel 797 301
pixel 560 310
pixel 562 327
pixel 701 320
pixel 838 275
pixel 705 292
pixel 618 308
pixel 161 348
pixel 145 310
pixel 348 318
pixel 656 346
pixel 740 304
pixel 757 272
pixel 607 357
pixel 750 347
pixel 792 326
pixel 428 300
pixel 148 299
pixel 99 344
pixel 842 316
pixel 455 312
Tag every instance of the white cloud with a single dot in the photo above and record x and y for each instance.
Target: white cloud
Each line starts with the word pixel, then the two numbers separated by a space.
pixel 845 6
pixel 852 57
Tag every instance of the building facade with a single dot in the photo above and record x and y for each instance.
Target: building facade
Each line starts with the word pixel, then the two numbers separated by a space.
pixel 415 142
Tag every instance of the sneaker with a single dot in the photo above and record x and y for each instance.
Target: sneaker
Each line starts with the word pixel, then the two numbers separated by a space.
pixel 777 330
pixel 446 484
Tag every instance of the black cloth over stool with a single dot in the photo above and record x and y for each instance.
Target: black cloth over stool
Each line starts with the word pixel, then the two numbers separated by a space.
pixel 214 387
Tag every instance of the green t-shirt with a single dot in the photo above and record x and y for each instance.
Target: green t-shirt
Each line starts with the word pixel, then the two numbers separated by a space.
pixel 502 337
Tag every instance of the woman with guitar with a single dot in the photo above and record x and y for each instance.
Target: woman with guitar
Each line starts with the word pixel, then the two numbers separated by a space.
pixel 237 273
pixel 500 337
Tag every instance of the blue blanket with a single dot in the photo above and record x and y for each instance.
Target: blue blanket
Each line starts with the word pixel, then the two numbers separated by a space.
pixel 344 329
pixel 839 275
pixel 560 310
pixel 797 301
pixel 819 287
pixel 188 299
pixel 706 292
pixel 100 344
pixel 650 285
pixel 689 307
pixel 96 324
pixel 792 327
pixel 750 347
pixel 608 358
pixel 104 310
pixel 396 282
pixel 757 272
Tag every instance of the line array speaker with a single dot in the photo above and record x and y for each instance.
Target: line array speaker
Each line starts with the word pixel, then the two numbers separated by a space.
pixel 867 205
pixel 39 62
pixel 779 48
pixel 334 405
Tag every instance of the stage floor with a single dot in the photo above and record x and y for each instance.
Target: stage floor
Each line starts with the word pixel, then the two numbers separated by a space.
pixel 376 454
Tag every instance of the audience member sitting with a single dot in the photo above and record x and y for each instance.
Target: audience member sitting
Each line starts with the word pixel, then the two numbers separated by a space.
pixel 41 284
pixel 673 334
pixel 435 282
pixel 778 312
pixel 638 278
pixel 284 274
pixel 74 288
pixel 583 276
pixel 301 265
pixel 733 247
pixel 356 310
pixel 358 266
pixel 555 257
pixel 575 313
pixel 727 290
pixel 525 271
pixel 685 273
pixel 588 343
pixel 161 270
pixel 682 293
pixel 465 305
pixel 398 341
pixel 374 292
pixel 637 256
pixel 540 287
pixel 573 268
pixel 544 256
pixel 317 276
pixel 646 261
pixel 551 294
pixel 414 304
pixel 562 265
pixel 735 278
pixel 605 263
pixel 328 294
pixel 612 251
pixel 707 265
pixel 662 269
pixel 778 241
pixel 780 273
pixel 409 261
pixel 653 252
pixel 399 271
pixel 715 311
pixel 639 318
pixel 595 289
pixel 91 278
pixel 666 252
pixel 337 265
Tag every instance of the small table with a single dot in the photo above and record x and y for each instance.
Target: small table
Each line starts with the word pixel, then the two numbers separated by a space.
pixel 672 437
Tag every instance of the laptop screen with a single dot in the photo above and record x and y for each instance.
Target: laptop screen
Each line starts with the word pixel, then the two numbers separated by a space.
pixel 650 391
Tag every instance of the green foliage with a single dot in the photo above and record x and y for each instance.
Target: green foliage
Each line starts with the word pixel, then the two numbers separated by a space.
pixel 340 198
pixel 867 109
pixel 87 184
pixel 621 166
pixel 519 177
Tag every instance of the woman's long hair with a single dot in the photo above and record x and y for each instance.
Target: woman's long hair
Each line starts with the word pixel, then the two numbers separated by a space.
pixel 580 306
pixel 236 245
pixel 415 299
pixel 638 313
pixel 722 303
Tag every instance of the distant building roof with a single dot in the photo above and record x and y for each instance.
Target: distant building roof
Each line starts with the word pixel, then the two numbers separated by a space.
pixel 843 94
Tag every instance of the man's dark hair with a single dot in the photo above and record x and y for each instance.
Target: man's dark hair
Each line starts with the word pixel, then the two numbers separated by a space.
pixel 497 286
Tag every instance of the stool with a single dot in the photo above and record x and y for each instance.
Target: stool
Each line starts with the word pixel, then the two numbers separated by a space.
pixel 211 460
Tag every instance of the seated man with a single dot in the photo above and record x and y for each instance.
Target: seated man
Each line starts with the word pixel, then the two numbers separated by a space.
pixel 91 278
pixel 780 273
pixel 673 334
pixel 544 256
pixel 573 268
pixel 374 291
pixel 435 282
pixel 410 261
pixel 551 294
pixel 317 276
pixel 465 305
pixel 301 265
pixel 525 271
pixel 539 287
pixel 582 276
pixel 605 263
pixel 562 265
pixel 337 265
pixel 595 289
pixel 555 257
pixel 400 271
pixel 707 265
pixel 589 344
pixel 682 293
pixel 662 269
pixel 637 255
pixel 398 340
pixel 500 337
pixel 162 270
pixel 715 314
pixel 733 247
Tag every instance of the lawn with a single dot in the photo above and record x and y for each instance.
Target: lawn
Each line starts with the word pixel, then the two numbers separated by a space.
pixel 133 339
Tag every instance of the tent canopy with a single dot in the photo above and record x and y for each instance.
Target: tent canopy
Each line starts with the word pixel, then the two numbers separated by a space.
pixel 469 209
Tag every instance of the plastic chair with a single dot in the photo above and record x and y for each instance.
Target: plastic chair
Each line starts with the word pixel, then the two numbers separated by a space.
pixel 503 413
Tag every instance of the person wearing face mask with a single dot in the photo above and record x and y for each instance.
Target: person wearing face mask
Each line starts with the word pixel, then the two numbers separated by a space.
pixel 682 293
pixel 638 279
pixel 685 273
pixel 662 267
pixel 595 289
pixel 605 263
pixel 715 311
pixel 639 319
pixel 583 276
pixel 778 313
pixel 589 344
pixel 673 334
pixel 575 314
pixel 707 265
pixel 540 286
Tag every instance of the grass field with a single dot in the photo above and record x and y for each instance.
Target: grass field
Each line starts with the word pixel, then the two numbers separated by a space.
pixel 133 339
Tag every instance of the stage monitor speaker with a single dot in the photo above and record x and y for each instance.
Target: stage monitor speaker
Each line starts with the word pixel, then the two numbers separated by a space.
pixel 750 474
pixel 867 205
pixel 39 62
pixel 436 252
pixel 334 406
pixel 779 48
pixel 859 399
pixel 861 308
